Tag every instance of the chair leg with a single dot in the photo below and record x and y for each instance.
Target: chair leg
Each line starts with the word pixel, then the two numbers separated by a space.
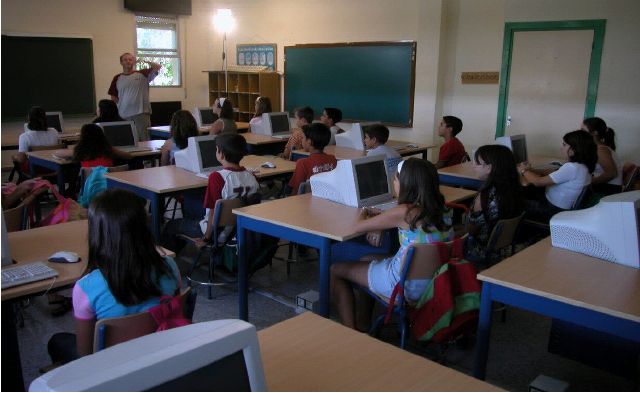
pixel 375 328
pixel 403 330
pixel 211 260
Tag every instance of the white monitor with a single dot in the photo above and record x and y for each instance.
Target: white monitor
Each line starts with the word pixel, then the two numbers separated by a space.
pixel 204 116
pixel 517 144
pixel 221 355
pixel 354 138
pixel 199 156
pixel 610 230
pixel 272 124
pixel 359 182
pixel 120 133
pixel 54 119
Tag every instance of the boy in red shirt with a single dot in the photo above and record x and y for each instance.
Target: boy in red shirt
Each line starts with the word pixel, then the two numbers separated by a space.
pixel 316 137
pixel 452 152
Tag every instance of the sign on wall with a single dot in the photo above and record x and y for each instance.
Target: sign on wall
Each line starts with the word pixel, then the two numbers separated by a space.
pixel 257 55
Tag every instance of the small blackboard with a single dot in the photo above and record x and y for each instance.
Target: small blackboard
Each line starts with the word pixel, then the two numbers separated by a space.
pixel 368 81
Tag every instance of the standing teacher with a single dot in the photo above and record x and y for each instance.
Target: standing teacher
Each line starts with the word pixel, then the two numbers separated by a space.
pixel 130 90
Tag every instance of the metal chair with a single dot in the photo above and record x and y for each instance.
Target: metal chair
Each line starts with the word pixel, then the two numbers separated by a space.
pixel 111 331
pixel 503 235
pixel 577 205
pixel 293 247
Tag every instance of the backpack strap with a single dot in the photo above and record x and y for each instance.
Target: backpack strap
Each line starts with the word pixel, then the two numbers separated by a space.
pixel 456 250
pixel 443 253
pixel 397 291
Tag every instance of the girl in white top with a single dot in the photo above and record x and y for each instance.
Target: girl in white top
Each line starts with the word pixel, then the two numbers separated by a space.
pixel 566 183
pixel 263 105
pixel 36 133
pixel 607 177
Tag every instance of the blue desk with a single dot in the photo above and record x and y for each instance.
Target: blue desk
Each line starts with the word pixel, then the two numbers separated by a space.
pixel 561 284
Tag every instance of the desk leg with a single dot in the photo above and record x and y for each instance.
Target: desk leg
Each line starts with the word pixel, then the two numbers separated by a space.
pixel 325 265
pixel 484 332
pixel 11 365
pixel 243 288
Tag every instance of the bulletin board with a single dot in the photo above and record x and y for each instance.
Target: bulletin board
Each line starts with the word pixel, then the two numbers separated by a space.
pixel 367 81
pixel 257 55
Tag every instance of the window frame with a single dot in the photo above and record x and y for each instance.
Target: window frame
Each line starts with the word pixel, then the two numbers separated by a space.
pixel 172 23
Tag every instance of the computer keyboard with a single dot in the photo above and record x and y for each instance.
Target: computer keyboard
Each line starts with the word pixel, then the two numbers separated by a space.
pixel 132 149
pixel 252 169
pixel 281 136
pixel 204 175
pixel 547 166
pixel 385 206
pixel 24 274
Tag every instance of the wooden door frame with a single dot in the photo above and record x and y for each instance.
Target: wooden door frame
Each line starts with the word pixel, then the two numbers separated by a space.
pixel 598 27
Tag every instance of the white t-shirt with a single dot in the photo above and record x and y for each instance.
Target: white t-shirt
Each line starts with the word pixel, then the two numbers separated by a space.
pixel 616 181
pixel 393 157
pixel 334 130
pixel 569 179
pixel 37 138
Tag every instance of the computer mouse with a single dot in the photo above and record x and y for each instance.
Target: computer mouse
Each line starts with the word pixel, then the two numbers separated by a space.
pixel 412 145
pixel 64 257
pixel 268 165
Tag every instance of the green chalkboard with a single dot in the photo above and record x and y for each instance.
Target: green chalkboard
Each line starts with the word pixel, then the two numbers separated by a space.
pixel 53 72
pixel 368 81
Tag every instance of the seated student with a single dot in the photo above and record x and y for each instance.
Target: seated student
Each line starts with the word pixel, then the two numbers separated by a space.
pixel 420 217
pixel 225 123
pixel 127 274
pixel 183 126
pixel 500 197
pixel 375 137
pixel 315 138
pixel 566 183
pixel 330 117
pixel 452 152
pixel 107 111
pixel 36 133
pixel 303 115
pixel 232 181
pixel 607 177
pixel 263 105
pixel 93 149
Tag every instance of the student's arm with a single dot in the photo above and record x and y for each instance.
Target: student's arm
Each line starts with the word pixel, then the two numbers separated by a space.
pixel 294 141
pixel 19 158
pixel 154 66
pixel 216 127
pixel 115 99
pixel 367 222
pixel 606 162
pixel 477 207
pixel 440 164
pixel 165 159
pixel 209 233
pixel 534 178
pixel 121 154
pixel 84 336
pixel 64 153
pixel 22 188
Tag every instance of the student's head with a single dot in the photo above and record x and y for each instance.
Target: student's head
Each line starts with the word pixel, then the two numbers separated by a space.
pixel 331 116
pixel 37 119
pixel 108 111
pixel 92 144
pixel 223 108
pixel 263 105
pixel 450 124
pixel 496 165
pixel 233 146
pixel 122 246
pixel 375 135
pixel 417 184
pixel 598 128
pixel 183 126
pixel 579 146
pixel 317 135
pixel 303 115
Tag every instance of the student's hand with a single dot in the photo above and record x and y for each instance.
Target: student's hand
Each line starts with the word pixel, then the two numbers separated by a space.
pixel 522 166
pixel 374 238
pixel 27 185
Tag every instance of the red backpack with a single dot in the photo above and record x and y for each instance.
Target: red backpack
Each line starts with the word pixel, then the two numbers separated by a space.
pixel 168 314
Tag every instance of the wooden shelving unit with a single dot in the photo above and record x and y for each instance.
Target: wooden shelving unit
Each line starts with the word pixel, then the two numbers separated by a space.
pixel 244 88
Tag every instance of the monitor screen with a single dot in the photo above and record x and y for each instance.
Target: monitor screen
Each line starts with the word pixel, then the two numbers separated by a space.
pixel 208 153
pixel 208 117
pixel 280 123
pixel 54 120
pixel 372 179
pixel 119 133
pixel 519 148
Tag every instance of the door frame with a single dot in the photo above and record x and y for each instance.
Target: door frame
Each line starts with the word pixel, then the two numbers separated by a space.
pixel 598 27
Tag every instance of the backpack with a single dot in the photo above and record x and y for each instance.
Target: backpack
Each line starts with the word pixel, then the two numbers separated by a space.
pixel 66 211
pixel 93 185
pixel 168 314
pixel 450 305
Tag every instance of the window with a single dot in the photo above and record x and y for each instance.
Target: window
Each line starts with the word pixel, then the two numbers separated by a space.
pixel 157 41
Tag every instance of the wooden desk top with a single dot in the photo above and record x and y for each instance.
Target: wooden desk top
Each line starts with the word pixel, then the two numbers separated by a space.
pixel 466 170
pixel 257 139
pixel 321 216
pixel 47 155
pixel 203 130
pixel 309 353
pixel 345 153
pixel 171 178
pixel 34 245
pixel 571 278
pixel 9 140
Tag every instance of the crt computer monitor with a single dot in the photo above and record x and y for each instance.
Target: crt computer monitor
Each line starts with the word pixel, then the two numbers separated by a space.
pixel 120 133
pixel 609 230
pixel 517 144
pixel 359 182
pixel 272 124
pixel 222 355
pixel 205 117
pixel 354 138
pixel 54 119
pixel 199 156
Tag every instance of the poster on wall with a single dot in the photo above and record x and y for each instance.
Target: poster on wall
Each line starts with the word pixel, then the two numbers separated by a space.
pixel 257 55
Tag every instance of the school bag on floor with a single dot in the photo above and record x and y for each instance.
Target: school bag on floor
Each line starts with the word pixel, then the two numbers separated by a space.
pixel 450 305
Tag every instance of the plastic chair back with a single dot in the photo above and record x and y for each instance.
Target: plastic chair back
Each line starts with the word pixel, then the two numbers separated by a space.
pixel 504 233
pixel 15 219
pixel 632 180
pixel 578 202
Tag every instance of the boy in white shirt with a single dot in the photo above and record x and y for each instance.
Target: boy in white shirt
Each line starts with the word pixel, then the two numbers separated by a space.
pixel 375 137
